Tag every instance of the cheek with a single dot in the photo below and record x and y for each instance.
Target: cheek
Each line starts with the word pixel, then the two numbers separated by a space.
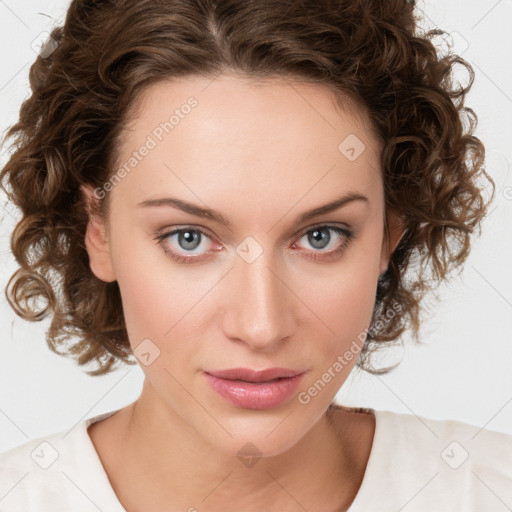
pixel 151 295
pixel 162 301
pixel 342 302
pixel 347 290
pixel 344 310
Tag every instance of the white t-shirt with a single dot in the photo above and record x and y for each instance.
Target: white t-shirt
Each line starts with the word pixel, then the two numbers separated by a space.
pixel 416 464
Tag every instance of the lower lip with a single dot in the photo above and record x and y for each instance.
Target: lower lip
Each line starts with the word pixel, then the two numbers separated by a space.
pixel 250 395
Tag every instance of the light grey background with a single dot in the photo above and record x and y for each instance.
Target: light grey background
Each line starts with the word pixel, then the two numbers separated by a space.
pixel 463 370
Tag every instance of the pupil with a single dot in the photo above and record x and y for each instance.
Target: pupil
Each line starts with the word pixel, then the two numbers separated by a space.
pixel 317 236
pixel 188 238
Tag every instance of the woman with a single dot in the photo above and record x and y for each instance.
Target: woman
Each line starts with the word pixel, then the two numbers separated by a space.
pixel 232 193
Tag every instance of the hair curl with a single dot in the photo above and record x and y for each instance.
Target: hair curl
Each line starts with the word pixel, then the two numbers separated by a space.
pixel 108 51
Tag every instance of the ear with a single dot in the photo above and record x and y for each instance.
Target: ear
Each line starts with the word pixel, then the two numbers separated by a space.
pixel 392 236
pixel 96 241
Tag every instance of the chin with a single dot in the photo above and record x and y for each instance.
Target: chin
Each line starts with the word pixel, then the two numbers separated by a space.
pixel 262 433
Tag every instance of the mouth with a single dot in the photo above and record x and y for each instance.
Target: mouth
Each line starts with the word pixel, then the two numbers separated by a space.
pixel 251 389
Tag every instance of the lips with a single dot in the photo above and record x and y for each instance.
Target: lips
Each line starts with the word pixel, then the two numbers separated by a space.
pixel 249 375
pixel 255 389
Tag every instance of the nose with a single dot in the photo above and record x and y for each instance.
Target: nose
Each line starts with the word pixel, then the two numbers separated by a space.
pixel 260 309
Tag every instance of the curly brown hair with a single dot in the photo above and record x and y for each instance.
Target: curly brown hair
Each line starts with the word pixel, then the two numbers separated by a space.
pixel 107 52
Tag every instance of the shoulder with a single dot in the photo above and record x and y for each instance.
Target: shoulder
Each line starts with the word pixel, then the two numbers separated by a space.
pixel 456 439
pixel 451 464
pixel 29 479
pixel 57 471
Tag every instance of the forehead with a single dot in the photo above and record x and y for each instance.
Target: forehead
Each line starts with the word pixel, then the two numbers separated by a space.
pixel 247 135
pixel 233 98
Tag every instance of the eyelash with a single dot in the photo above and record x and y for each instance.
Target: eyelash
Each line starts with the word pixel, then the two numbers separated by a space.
pixel 348 233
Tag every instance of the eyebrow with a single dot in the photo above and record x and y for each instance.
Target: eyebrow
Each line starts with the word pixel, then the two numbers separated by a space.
pixel 208 213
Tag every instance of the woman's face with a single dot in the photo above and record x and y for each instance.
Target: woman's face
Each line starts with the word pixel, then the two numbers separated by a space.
pixel 265 289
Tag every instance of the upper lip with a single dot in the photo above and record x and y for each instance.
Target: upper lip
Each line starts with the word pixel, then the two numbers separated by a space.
pixel 249 375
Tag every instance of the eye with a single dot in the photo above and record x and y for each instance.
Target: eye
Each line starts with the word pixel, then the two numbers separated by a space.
pixel 320 238
pixel 193 241
pixel 187 240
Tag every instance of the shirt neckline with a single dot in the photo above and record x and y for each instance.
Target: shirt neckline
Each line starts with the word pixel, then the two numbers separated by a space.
pixel 103 482
pixel 355 506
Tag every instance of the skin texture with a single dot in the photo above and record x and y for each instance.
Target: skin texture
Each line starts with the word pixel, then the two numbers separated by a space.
pixel 261 153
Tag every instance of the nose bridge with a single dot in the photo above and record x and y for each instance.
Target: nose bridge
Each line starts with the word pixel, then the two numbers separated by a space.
pixel 260 313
